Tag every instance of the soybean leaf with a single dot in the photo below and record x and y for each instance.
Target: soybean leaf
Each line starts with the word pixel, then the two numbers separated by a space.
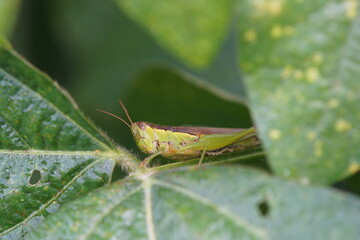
pixel 49 153
pixel 302 73
pixel 122 51
pixel 211 203
pixel 191 30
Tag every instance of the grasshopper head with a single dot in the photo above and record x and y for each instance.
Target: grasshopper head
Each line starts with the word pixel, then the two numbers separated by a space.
pixel 143 133
pixel 144 137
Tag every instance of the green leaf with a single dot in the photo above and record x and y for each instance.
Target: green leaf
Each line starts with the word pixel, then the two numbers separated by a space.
pixel 192 30
pixel 122 52
pixel 210 203
pixel 302 73
pixel 49 152
pixel 178 94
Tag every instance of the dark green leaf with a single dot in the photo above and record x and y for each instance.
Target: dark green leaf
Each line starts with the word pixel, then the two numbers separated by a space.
pixel 191 30
pixel 302 71
pixel 120 52
pixel 212 203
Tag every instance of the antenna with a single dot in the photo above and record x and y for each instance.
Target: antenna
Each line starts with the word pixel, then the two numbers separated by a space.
pixel 126 112
pixel 116 117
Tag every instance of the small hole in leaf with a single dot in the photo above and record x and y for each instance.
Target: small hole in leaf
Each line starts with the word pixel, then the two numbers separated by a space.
pixel 264 208
pixel 35 177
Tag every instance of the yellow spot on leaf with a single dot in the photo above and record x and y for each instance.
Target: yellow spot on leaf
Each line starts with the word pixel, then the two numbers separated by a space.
pixel 342 125
pixel 317 58
pixel 274 134
pixel 351 9
pixel 250 36
pixel 318 148
pixel 298 74
pixel 273 7
pixel 286 72
pixel 311 135
pixel 276 31
pixel 312 74
pixel 354 168
pixel 333 103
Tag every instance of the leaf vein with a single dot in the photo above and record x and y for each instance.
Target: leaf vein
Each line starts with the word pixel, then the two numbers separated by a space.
pixel 103 214
pixel 15 131
pixel 221 210
pixel 148 209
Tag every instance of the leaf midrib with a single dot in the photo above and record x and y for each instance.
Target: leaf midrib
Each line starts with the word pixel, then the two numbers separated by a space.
pixel 102 215
pixel 109 154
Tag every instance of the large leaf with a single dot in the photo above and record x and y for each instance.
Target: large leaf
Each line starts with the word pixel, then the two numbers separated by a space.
pixel 212 203
pixel 192 30
pixel 302 72
pixel 49 153
pixel 116 50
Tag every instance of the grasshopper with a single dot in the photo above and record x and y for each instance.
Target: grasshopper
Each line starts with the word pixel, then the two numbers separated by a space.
pixel 182 143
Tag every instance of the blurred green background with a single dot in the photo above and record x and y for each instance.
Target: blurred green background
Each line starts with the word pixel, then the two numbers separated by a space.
pixel 100 55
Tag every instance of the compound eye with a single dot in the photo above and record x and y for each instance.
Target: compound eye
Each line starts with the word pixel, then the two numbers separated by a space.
pixel 141 125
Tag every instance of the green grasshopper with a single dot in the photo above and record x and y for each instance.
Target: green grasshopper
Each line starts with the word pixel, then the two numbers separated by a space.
pixel 181 143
